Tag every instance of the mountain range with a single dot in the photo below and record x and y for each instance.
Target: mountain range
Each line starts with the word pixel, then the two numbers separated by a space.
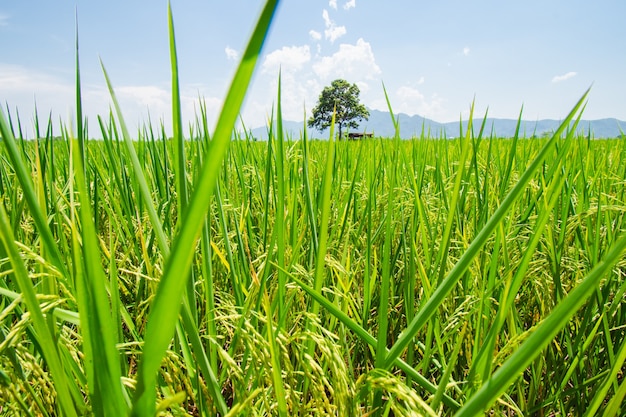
pixel 380 124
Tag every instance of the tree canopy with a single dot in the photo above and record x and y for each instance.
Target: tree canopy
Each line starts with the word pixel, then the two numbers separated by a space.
pixel 345 98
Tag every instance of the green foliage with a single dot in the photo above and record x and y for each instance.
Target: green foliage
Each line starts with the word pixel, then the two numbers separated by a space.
pixel 341 98
pixel 384 277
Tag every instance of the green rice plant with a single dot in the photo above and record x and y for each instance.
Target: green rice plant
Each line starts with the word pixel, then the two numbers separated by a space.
pixel 99 332
pixel 45 338
pixel 455 274
pixel 214 274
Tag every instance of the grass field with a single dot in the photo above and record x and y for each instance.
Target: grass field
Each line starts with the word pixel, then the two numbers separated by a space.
pixel 202 274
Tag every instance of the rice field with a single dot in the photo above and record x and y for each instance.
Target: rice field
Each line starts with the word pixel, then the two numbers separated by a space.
pixel 208 273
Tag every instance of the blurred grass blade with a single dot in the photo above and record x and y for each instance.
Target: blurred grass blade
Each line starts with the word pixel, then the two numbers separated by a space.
pixel 97 324
pixel 163 315
pixel 79 106
pixel 179 143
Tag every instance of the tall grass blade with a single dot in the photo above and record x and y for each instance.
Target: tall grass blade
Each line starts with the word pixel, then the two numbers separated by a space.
pixel 163 316
pixel 280 208
pixel 80 133
pixel 97 321
pixel 179 143
pixel 140 180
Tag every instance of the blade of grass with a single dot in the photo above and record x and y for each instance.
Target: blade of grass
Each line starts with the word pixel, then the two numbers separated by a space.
pixel 277 380
pixel 383 306
pixel 163 317
pixel 441 389
pixel 80 134
pixel 180 171
pixel 97 324
pixel 320 260
pixel 140 180
pixel 446 237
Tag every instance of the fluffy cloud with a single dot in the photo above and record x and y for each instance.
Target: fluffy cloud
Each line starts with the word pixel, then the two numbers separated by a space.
pixel 350 4
pixel 409 93
pixel 150 96
pixel 559 78
pixel 410 100
pixel 18 78
pixel 466 51
pixel 231 54
pixel 349 62
pixel 315 35
pixel 333 4
pixel 332 31
pixel 288 58
pixel 304 75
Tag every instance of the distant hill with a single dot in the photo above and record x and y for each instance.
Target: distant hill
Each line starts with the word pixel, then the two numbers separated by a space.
pixel 412 126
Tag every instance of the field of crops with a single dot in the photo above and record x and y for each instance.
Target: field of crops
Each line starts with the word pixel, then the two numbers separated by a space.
pixel 208 274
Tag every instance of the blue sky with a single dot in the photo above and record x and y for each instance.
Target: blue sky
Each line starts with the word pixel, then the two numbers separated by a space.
pixel 434 57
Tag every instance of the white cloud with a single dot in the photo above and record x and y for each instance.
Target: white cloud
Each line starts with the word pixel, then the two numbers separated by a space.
pixel 231 54
pixel 150 96
pixel 304 75
pixel 410 100
pixel 559 78
pixel 53 94
pixel 18 78
pixel 315 35
pixel 349 4
pixel 350 61
pixel 421 80
pixel 332 31
pixel 466 51
pixel 333 4
pixel 288 58
pixel 409 93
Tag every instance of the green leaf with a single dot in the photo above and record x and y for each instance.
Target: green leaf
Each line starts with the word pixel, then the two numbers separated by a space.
pixel 164 312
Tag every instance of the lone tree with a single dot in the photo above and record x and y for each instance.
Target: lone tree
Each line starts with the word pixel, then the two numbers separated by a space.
pixel 345 97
